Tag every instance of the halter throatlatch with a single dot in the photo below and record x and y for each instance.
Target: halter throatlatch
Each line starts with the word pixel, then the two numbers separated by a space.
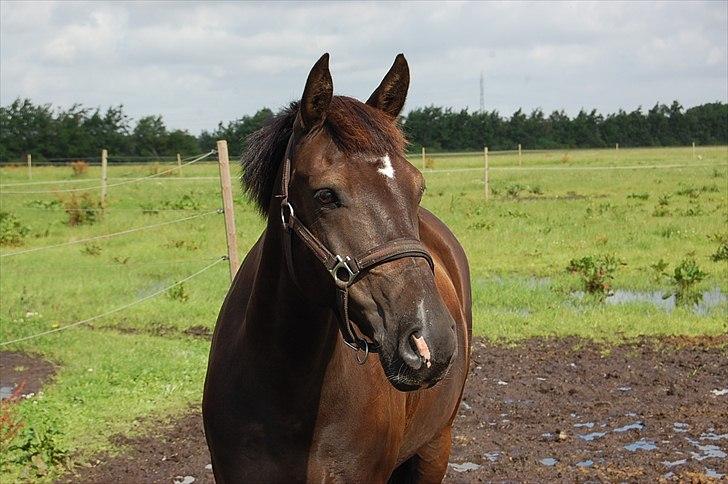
pixel 344 270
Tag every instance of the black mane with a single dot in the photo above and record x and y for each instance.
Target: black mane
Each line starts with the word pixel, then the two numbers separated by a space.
pixel 352 125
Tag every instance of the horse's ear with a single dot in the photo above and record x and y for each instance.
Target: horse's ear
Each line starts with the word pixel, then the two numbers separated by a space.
pixel 317 94
pixel 392 92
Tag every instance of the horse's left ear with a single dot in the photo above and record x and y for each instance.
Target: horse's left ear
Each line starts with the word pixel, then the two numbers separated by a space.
pixel 392 92
pixel 317 94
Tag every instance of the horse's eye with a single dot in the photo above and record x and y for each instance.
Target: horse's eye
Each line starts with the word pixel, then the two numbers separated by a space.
pixel 326 196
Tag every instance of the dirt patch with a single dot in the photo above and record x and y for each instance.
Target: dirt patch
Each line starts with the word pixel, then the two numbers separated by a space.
pixel 570 409
pixel 159 330
pixel 20 369
pixel 177 450
pixel 546 410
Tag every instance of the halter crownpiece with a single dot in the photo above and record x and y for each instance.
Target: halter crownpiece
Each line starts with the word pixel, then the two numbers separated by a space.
pixel 344 270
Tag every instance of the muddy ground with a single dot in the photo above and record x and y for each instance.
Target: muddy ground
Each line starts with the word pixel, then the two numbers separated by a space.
pixel 22 375
pixel 546 410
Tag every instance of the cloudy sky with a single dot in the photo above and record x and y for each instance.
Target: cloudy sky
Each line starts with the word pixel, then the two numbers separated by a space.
pixel 200 63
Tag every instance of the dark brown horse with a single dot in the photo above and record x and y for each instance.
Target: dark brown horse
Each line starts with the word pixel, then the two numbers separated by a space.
pixel 348 260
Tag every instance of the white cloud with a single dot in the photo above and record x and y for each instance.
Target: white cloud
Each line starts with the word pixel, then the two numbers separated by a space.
pixel 198 63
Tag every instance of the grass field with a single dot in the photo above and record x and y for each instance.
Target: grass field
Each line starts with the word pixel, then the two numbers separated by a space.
pixel 146 361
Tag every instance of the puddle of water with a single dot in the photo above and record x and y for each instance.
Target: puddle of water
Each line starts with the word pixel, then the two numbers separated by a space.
pixel 624 389
pixel 587 425
pixel 5 392
pixel 708 452
pixel 680 427
pixel 711 299
pixel 630 414
pixel 464 467
pixel 641 444
pixel 492 456
pixel 549 461
pixel 668 475
pixel 585 463
pixel 713 436
pixel 712 473
pixel 632 426
pixel 592 436
pixel 675 463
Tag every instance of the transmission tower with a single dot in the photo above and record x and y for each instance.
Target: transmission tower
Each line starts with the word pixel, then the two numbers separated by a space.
pixel 482 93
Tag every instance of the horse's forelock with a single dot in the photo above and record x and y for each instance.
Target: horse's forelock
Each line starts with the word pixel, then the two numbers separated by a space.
pixel 352 125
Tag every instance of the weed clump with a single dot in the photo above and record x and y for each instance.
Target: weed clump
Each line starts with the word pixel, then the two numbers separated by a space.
pixel 597 274
pixel 12 230
pixel 686 276
pixel 91 249
pixel 514 189
pixel 178 293
pixel 10 423
pixel 79 167
pixel 38 449
pixel 82 209
pixel 722 253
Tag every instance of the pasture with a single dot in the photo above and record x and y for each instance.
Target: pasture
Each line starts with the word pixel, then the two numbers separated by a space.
pixel 652 210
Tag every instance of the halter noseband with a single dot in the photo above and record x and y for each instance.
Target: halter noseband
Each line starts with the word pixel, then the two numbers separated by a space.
pixel 344 270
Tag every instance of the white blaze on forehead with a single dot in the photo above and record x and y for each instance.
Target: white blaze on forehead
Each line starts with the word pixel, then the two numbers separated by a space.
pixel 387 169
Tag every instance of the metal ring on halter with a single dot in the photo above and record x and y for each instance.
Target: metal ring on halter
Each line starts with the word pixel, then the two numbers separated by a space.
pixel 286 223
pixel 366 353
pixel 342 273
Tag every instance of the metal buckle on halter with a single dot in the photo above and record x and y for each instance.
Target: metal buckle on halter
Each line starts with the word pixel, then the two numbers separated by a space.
pixel 286 223
pixel 342 273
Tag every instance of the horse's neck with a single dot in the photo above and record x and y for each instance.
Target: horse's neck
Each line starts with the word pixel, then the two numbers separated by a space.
pixel 280 323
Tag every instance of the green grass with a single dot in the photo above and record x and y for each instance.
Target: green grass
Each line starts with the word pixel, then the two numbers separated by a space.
pixel 119 370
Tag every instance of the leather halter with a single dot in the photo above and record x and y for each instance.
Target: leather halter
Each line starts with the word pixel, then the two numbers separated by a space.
pixel 344 270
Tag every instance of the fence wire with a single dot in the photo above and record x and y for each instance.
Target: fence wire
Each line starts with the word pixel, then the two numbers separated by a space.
pixel 115 310
pixel 110 185
pixel 108 236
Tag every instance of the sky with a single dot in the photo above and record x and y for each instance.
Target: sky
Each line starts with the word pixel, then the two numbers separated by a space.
pixel 200 63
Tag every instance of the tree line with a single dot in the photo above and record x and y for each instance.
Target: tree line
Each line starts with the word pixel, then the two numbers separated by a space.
pixel 49 132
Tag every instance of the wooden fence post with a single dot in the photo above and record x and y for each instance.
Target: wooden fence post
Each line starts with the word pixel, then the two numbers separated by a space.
pixel 487 174
pixel 104 177
pixel 179 163
pixel 227 204
pixel 520 159
pixel 424 165
pixel 616 146
pixel 30 167
pixel 693 153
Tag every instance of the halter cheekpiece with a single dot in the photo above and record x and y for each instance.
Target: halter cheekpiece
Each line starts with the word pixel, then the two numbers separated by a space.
pixel 344 270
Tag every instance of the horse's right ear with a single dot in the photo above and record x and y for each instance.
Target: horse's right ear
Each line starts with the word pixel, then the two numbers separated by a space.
pixel 317 94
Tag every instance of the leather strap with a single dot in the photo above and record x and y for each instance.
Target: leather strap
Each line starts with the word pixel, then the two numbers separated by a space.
pixel 345 271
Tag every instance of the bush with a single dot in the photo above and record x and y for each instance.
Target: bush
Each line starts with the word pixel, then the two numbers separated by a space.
pixel 514 189
pixel 685 278
pixel 429 162
pixel 722 253
pixel 82 209
pixel 79 167
pixel 178 293
pixel 597 273
pixel 10 423
pixel 91 249
pixel 12 230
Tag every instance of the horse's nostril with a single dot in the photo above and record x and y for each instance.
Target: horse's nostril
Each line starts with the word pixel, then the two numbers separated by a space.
pixel 421 348
pixel 408 351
